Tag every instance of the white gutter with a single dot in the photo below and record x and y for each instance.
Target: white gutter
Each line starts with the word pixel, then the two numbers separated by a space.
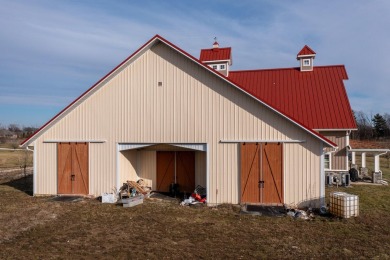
pixel 384 151
pixel 262 141
pixel 336 129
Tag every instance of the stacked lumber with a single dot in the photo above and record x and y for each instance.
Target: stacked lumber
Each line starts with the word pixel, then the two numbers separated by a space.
pixel 137 187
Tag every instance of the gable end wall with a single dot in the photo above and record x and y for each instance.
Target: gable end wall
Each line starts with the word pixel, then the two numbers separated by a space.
pixel 191 106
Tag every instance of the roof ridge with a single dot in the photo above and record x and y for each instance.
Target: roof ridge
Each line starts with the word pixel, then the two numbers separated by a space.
pixel 291 68
pixel 306 50
pixel 214 48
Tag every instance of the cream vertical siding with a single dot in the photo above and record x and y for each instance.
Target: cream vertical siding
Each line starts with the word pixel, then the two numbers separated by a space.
pixel 46 175
pixel 191 106
pixel 339 161
pixel 135 165
pixel 302 173
pixel 200 169
pixel 128 164
pixel 147 167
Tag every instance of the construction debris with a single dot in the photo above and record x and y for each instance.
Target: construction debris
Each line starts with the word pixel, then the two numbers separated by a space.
pixel 133 201
pixel 301 214
pixel 130 194
pixel 108 198
pixel 199 196
pixel 132 189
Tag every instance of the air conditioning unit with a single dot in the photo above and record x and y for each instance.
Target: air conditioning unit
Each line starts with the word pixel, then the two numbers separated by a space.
pixel 329 178
pixel 336 179
pixel 345 179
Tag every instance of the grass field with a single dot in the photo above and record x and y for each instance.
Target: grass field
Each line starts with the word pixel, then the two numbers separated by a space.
pixel 40 228
pixel 14 158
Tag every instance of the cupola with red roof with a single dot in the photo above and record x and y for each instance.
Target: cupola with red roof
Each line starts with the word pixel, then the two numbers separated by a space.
pixel 217 58
pixel 306 57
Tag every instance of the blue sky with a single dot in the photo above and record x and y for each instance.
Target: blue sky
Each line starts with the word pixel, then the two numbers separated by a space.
pixel 52 51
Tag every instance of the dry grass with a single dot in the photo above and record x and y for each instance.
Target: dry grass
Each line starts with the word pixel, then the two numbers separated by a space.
pixel 14 158
pixel 38 227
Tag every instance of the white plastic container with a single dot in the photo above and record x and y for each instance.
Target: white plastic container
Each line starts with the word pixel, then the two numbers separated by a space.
pixel 344 205
pixel 108 198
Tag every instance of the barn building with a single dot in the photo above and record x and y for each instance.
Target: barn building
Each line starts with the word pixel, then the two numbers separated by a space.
pixel 259 136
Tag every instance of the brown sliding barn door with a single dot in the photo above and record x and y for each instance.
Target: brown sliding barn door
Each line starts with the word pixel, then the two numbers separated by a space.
pixel 176 167
pixel 165 170
pixel 72 168
pixel 272 173
pixel 250 172
pixel 261 173
pixel 185 171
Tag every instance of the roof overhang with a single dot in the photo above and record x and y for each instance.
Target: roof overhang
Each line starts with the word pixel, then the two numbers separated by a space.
pixel 336 129
pixel 137 54
pixel 215 61
pixel 306 56
pixel 362 150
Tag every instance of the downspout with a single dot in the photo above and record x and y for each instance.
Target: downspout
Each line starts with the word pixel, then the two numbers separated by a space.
pixel 346 150
pixel 331 153
pixel 322 176
pixel 117 178
pixel 34 169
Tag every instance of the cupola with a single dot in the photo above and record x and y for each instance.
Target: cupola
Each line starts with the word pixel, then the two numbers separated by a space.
pixel 219 59
pixel 306 57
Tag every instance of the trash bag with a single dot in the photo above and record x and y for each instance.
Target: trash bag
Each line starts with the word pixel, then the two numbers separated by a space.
pixel 353 174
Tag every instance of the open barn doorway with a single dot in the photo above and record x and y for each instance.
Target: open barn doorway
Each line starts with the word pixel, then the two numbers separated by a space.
pixel 165 168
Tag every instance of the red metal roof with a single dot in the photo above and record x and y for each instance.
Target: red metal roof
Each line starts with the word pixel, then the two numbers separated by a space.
pixel 316 99
pixel 306 50
pixel 215 54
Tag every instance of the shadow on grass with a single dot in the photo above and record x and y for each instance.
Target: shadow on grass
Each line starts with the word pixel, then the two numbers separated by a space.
pixel 24 184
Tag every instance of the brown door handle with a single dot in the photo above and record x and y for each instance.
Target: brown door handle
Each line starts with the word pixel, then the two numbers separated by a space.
pixel 261 184
pixel 72 177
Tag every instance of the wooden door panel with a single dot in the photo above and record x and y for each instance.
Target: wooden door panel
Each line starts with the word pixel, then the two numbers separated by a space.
pixel 250 171
pixel 64 168
pixel 272 173
pixel 185 171
pixel 80 168
pixel 72 168
pixel 165 170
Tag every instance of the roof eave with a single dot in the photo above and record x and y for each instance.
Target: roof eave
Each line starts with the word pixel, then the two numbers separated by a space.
pixel 335 129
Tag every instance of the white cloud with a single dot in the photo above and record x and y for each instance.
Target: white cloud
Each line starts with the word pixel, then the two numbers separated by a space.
pixel 68 46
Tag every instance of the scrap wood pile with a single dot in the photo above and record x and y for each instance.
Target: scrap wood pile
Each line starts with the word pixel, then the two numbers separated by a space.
pixel 132 189
pixel 199 196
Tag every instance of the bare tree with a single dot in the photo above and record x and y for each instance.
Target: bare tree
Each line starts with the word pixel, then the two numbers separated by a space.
pixel 14 128
pixel 364 124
